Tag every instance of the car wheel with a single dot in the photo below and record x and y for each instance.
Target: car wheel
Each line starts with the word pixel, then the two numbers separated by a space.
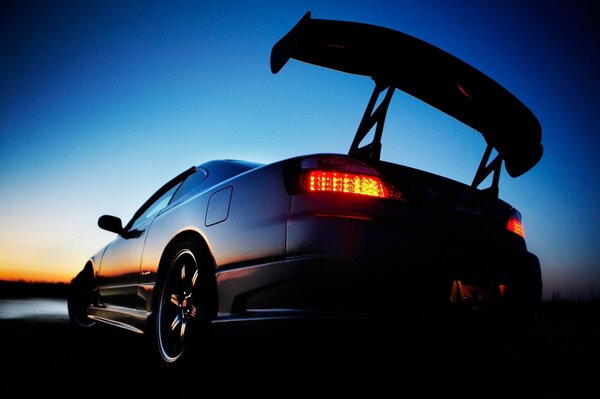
pixel 80 297
pixel 184 306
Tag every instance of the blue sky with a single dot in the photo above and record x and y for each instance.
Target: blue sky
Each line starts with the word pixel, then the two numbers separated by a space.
pixel 102 102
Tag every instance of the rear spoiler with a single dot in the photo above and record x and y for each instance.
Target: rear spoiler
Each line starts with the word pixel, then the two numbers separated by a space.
pixel 396 60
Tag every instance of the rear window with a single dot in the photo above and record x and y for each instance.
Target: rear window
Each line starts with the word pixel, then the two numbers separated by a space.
pixel 190 186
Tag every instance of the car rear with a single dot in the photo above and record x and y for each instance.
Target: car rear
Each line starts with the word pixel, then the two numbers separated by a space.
pixel 394 242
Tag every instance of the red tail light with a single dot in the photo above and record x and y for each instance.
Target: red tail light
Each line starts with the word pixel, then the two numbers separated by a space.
pixel 515 224
pixel 349 183
pixel 343 175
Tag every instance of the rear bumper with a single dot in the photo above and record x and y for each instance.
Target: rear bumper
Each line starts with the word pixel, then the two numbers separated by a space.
pixel 322 289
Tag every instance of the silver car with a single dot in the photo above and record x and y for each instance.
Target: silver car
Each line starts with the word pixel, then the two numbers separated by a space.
pixel 330 237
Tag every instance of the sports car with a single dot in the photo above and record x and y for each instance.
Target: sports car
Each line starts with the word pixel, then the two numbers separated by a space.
pixel 324 236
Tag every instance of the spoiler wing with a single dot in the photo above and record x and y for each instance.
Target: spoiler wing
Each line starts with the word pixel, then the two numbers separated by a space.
pixel 424 71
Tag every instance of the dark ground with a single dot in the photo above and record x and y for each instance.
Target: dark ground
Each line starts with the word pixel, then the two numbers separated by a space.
pixel 43 354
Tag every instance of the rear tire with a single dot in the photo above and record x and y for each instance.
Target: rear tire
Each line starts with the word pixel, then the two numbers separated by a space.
pixel 184 304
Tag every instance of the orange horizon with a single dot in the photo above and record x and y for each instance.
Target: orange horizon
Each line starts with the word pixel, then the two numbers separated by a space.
pixel 34 276
pixel 47 263
pixel 31 280
pixel 37 281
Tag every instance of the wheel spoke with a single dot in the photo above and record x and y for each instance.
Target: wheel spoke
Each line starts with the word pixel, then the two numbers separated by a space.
pixel 176 322
pixel 182 331
pixel 183 273
pixel 175 299
pixel 194 278
pixel 193 311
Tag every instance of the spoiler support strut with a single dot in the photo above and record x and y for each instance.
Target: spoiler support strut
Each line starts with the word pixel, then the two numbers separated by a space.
pixel 372 117
pixel 485 168
pixel 372 151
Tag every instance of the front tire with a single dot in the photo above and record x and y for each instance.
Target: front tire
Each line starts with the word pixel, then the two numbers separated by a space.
pixel 185 301
pixel 80 298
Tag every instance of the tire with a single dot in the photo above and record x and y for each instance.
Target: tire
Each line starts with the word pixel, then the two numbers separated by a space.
pixel 80 297
pixel 184 305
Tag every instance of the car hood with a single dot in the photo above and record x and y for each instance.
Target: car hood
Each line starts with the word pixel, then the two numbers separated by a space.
pixel 425 72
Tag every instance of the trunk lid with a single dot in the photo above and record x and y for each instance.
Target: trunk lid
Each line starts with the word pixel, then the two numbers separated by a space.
pixel 426 190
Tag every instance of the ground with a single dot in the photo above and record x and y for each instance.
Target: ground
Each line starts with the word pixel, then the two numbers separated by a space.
pixel 41 353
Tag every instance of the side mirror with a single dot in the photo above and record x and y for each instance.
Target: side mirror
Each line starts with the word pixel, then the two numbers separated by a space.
pixel 111 223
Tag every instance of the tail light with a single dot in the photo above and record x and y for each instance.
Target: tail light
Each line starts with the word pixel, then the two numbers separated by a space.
pixel 515 224
pixel 344 175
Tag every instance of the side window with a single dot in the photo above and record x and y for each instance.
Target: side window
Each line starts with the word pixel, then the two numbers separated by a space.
pixel 190 186
pixel 157 206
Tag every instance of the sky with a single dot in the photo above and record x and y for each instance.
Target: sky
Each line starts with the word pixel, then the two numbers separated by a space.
pixel 102 102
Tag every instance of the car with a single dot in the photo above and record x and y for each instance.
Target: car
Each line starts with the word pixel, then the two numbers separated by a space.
pixel 330 236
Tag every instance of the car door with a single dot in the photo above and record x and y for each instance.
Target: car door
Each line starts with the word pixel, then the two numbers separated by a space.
pixel 119 272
